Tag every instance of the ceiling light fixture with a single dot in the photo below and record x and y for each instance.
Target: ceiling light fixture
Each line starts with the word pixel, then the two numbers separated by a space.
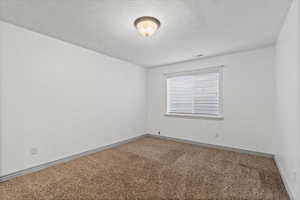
pixel 146 25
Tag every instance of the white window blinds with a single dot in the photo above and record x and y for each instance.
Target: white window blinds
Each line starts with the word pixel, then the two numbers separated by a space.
pixel 195 93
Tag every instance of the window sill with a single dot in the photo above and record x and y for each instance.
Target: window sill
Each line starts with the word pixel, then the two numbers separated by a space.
pixel 220 117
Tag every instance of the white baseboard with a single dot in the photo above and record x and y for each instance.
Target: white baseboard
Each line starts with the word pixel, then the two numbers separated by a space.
pixel 66 159
pixel 284 179
pixel 213 146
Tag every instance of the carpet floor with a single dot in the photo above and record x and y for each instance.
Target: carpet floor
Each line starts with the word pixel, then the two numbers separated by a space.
pixel 152 168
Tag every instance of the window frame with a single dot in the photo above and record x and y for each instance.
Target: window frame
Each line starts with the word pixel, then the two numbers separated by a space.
pixel 218 69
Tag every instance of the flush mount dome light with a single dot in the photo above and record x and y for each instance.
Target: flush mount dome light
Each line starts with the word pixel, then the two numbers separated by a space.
pixel 146 26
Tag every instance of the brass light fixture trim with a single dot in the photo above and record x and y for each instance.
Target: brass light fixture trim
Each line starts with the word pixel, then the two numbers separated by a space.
pixel 147 25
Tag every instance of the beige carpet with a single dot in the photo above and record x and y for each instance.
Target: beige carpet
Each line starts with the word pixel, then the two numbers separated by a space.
pixel 152 168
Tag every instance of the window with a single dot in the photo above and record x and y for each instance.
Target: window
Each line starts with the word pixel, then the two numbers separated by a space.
pixel 195 93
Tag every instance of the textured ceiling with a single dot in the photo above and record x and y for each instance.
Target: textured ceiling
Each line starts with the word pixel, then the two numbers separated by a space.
pixel 188 27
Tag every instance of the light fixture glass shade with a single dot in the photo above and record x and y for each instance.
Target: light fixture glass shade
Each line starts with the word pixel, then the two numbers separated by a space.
pixel 146 26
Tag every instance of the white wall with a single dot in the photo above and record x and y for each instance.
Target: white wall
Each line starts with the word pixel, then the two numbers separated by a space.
pixel 248 103
pixel 63 99
pixel 287 73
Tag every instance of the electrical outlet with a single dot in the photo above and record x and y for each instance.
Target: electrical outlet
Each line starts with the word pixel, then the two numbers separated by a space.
pixel 33 151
